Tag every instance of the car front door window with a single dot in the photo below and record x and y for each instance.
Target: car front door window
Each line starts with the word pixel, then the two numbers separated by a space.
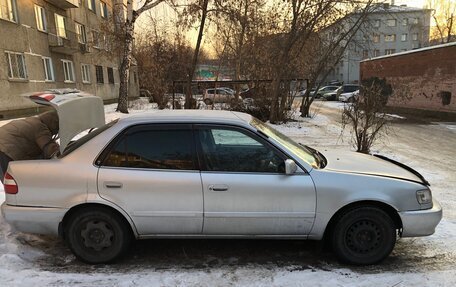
pixel 229 150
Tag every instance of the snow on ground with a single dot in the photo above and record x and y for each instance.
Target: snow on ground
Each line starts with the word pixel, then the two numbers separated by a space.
pixel 27 260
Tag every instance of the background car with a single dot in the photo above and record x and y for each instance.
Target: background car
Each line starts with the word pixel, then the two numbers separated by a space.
pixel 347 88
pixel 219 95
pixel 228 175
pixel 301 93
pixel 349 97
pixel 325 90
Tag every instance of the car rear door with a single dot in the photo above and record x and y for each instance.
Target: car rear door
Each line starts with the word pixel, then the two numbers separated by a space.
pixel 152 173
pixel 246 191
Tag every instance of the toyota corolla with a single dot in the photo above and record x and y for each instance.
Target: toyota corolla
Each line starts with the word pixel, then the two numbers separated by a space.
pixel 211 174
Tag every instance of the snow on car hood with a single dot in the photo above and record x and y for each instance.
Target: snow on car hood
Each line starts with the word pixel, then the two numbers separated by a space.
pixel 77 111
pixel 354 162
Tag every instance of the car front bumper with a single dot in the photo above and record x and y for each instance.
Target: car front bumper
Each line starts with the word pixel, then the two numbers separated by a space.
pixel 421 222
pixel 40 220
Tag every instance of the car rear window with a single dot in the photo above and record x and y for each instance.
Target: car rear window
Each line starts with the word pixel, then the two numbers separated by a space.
pixel 78 143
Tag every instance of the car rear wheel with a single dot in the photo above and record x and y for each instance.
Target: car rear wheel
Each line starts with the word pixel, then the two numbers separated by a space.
pixel 208 101
pixel 363 236
pixel 97 235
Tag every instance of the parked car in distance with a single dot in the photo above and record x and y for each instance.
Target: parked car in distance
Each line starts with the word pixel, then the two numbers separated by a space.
pixel 219 95
pixel 347 88
pixel 228 175
pixel 349 97
pixel 331 96
pixel 325 90
pixel 302 93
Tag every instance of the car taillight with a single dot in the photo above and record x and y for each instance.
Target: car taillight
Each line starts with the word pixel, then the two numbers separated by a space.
pixel 10 184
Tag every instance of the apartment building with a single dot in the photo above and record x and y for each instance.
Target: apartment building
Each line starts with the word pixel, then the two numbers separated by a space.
pixel 388 29
pixel 57 44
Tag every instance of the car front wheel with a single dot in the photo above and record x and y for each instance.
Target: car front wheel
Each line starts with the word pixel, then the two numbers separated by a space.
pixel 363 236
pixel 97 235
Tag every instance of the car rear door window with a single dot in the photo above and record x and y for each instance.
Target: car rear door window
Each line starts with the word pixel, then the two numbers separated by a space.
pixel 231 150
pixel 164 147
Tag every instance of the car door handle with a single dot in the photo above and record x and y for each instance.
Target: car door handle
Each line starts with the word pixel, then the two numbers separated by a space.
pixel 218 187
pixel 111 184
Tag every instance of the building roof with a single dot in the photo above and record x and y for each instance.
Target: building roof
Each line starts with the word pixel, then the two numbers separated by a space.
pixel 411 51
pixel 387 8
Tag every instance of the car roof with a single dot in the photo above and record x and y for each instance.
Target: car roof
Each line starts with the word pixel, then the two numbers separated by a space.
pixel 190 116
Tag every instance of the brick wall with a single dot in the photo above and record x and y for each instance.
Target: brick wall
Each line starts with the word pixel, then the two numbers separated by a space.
pixel 422 79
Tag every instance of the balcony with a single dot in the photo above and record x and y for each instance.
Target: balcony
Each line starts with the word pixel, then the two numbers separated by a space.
pixel 65 45
pixel 65 4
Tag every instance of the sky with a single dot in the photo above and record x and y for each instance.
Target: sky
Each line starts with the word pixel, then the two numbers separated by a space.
pixel 165 14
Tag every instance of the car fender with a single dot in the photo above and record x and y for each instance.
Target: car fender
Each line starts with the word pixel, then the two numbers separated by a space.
pixel 94 198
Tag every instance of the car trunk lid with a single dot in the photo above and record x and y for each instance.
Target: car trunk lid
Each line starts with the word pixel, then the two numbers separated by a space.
pixel 77 111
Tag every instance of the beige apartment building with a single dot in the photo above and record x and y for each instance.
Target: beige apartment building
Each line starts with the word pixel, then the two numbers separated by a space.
pixel 57 44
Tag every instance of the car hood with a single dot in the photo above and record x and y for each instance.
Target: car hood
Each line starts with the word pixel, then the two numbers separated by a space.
pixel 77 111
pixel 354 162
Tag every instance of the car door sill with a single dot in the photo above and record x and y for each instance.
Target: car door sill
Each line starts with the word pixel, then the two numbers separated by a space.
pixel 219 236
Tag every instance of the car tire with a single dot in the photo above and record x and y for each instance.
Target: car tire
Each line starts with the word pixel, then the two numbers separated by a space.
pixel 97 235
pixel 363 236
pixel 208 101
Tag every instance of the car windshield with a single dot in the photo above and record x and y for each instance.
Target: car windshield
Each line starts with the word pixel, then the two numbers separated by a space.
pixel 79 142
pixel 309 155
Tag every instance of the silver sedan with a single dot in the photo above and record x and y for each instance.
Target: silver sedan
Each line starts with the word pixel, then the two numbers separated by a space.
pixel 215 174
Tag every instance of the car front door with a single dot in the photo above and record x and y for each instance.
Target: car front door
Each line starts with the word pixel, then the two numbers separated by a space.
pixel 246 191
pixel 151 172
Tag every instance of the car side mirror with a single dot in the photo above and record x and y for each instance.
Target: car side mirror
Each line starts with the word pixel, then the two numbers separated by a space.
pixel 290 167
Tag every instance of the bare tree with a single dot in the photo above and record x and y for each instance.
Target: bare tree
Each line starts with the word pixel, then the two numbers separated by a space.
pixel 366 117
pixel 195 11
pixel 163 56
pixel 301 20
pixel 444 16
pixel 127 28
pixel 235 23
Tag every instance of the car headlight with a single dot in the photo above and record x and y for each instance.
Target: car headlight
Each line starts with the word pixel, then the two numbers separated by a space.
pixel 424 196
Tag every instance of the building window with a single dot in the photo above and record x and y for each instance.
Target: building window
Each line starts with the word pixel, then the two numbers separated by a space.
pixel 81 33
pixel 110 75
pixel 16 66
pixel 405 22
pixel 376 38
pixel 98 39
pixel 390 51
pixel 390 38
pixel 377 23
pixel 104 9
pixel 365 54
pixel 60 26
pixel 85 69
pixel 40 15
pixel 414 21
pixel 91 5
pixel 68 71
pixel 415 36
pixel 376 53
pixel 48 69
pixel 8 10
pixel 391 22
pixel 99 74
pixel 404 37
